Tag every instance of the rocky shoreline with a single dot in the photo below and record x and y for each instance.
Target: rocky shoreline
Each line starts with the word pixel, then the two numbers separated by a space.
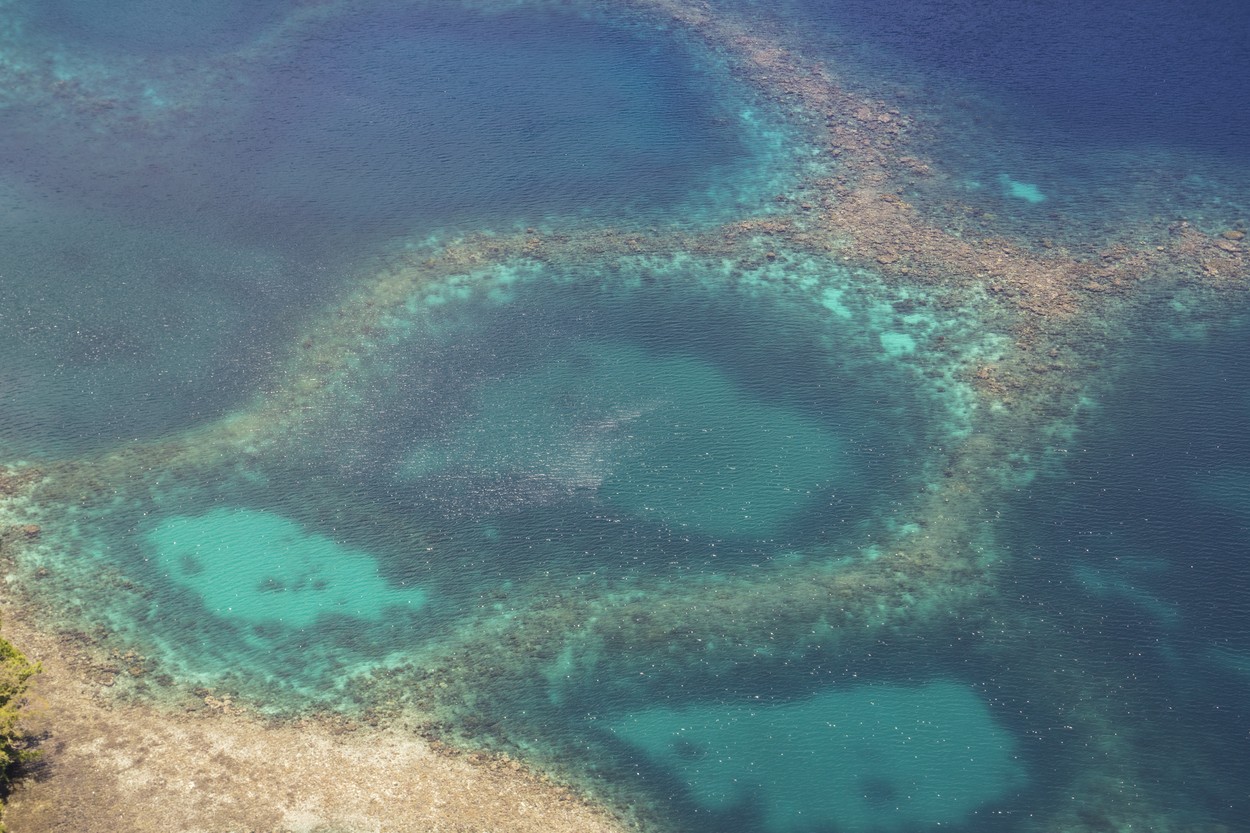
pixel 106 765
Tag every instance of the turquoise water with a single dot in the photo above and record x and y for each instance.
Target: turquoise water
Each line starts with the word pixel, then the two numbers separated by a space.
pixel 663 403
pixel 504 370
pixel 258 567
pixel 870 758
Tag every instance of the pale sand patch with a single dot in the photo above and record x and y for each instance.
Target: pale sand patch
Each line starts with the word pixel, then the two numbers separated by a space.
pixel 110 767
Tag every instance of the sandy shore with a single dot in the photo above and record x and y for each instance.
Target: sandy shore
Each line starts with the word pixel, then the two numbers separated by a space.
pixel 111 767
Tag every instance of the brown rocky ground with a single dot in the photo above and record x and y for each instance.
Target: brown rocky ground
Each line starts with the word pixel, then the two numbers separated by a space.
pixel 115 767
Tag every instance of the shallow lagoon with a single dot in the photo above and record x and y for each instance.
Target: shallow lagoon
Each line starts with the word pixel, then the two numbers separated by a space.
pixel 869 758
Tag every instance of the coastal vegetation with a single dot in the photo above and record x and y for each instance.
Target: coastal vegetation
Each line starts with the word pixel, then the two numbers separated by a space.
pixel 15 674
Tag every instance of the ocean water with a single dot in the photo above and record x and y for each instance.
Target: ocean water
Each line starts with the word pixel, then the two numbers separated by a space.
pixel 153 28
pixel 1109 111
pixel 1164 75
pixel 506 370
pixel 1146 526
pixel 256 195
pixel 116 332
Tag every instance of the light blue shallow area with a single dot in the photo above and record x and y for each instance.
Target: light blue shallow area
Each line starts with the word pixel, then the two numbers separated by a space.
pixel 260 567
pixel 870 758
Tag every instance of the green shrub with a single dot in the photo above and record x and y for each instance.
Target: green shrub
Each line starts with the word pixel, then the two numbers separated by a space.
pixel 15 673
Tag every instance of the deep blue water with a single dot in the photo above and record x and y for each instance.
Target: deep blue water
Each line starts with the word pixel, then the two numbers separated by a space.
pixel 1142 538
pixel 439 118
pixel 216 221
pixel 1114 110
pixel 401 119
pixel 1104 74
pixel 113 332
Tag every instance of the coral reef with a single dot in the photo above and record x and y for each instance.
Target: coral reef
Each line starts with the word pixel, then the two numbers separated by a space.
pixel 1050 304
